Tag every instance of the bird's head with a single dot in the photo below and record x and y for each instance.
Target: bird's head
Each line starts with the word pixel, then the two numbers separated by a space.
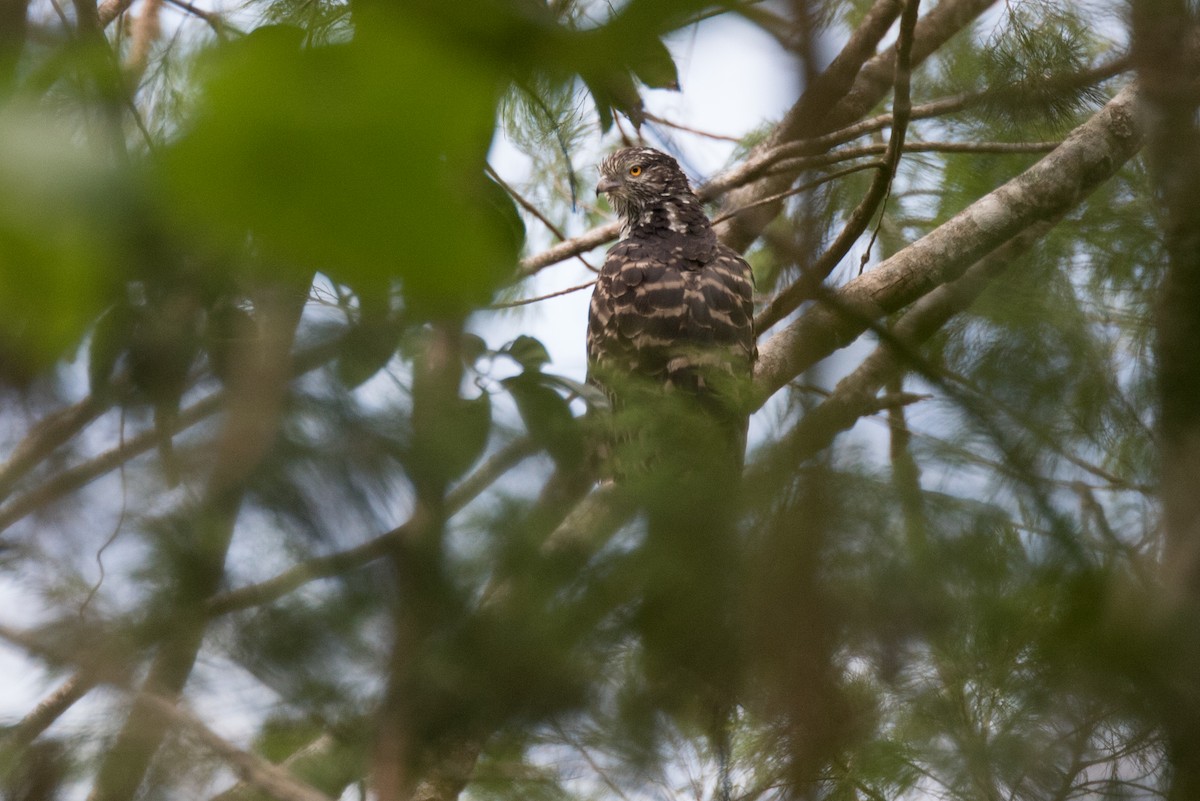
pixel 637 178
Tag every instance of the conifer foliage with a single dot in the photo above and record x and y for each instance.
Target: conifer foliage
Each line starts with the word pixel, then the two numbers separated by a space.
pixel 294 505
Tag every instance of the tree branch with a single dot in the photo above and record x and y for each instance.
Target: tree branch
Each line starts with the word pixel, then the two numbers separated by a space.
pixel 40 445
pixel 257 386
pixel 50 709
pixel 871 84
pixel 786 301
pixel 45 437
pixel 1089 156
pixel 251 768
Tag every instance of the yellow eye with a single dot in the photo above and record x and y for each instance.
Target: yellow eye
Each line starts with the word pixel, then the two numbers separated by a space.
pixel 635 170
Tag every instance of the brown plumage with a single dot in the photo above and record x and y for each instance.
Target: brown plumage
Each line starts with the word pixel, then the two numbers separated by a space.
pixel 672 304
pixel 671 340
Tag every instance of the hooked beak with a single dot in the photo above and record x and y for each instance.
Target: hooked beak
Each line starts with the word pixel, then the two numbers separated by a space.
pixel 607 184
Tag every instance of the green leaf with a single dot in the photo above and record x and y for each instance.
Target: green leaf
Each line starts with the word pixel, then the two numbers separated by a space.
pixel 614 89
pixel 451 440
pixel 363 160
pixel 61 218
pixel 655 67
pixel 366 349
pixel 110 338
pixel 527 352
pixel 547 416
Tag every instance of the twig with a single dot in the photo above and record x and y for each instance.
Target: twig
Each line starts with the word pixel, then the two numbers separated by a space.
pixel 532 209
pixel 901 112
pixel 215 21
pixel 796 190
pixel 112 537
pixel 509 304
pixel 344 561
pixel 680 127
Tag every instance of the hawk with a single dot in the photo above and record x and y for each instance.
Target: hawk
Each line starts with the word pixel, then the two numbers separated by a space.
pixel 672 305
pixel 671 340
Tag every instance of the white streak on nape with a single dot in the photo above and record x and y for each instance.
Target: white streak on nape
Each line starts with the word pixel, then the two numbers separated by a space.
pixel 673 221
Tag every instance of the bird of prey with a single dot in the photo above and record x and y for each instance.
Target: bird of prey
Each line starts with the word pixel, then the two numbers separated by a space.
pixel 672 306
pixel 671 340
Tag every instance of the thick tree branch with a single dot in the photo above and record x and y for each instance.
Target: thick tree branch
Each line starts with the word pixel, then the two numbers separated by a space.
pixel 45 437
pixel 855 395
pixel 1088 157
pixel 870 86
pixel 787 300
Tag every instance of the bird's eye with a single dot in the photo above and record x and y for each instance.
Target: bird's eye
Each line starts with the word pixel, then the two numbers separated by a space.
pixel 635 170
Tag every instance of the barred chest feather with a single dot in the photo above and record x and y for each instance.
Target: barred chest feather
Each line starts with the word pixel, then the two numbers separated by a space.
pixel 671 304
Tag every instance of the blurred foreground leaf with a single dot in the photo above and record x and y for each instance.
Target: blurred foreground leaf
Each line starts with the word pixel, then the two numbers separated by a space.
pixel 363 160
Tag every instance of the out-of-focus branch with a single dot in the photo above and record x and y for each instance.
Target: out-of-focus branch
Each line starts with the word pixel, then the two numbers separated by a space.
pixel 50 433
pixel 62 425
pixel 1164 32
pixel 376 548
pixel 257 386
pixel 109 10
pixel 250 768
pixel 87 20
pixel 416 563
pixel 50 709
pixel 145 33
pixel 255 770
pixel 13 26
pixel 82 474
